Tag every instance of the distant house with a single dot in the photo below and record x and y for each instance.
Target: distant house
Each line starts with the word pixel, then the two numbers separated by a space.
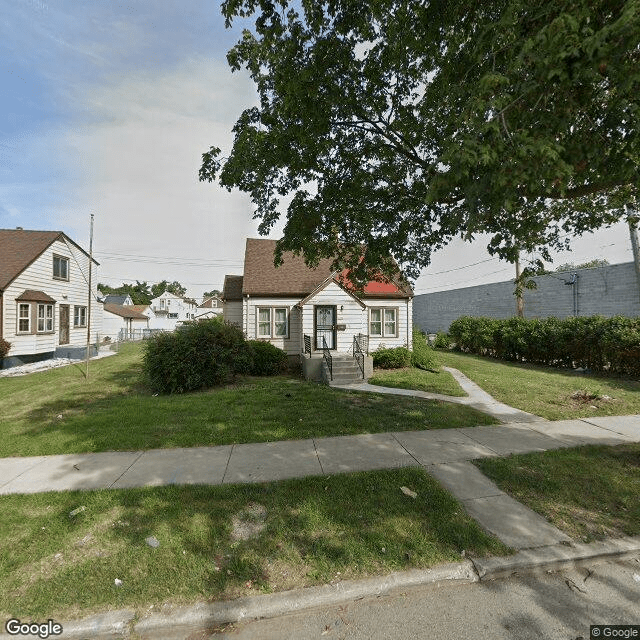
pixel 169 310
pixel 124 322
pixel 113 298
pixel 303 310
pixel 210 308
pixel 44 296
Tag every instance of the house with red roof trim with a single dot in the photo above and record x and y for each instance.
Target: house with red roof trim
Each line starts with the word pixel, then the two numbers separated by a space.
pixel 309 311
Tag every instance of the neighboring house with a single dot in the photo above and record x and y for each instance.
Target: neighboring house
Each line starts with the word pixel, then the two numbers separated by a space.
pixel 210 308
pixel 170 309
pixel 124 322
pixel 44 296
pixel 113 298
pixel 285 304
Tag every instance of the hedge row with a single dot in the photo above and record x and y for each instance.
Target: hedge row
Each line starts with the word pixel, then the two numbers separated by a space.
pixel 593 342
pixel 420 356
pixel 205 353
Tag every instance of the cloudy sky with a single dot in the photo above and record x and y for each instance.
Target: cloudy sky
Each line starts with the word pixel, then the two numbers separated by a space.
pixel 106 109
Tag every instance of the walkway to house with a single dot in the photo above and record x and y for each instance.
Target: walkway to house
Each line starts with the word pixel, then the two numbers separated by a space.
pixel 444 453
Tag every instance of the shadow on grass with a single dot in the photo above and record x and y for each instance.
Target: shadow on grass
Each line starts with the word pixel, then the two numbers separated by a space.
pixel 315 530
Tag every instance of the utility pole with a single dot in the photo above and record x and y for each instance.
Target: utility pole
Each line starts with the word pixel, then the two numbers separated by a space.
pixel 632 221
pixel 89 296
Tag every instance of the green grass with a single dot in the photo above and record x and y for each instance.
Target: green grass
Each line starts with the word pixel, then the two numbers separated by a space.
pixel 316 530
pixel 547 392
pixel 412 378
pixel 59 411
pixel 588 492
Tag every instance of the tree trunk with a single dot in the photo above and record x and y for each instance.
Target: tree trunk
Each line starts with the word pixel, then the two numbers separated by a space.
pixel 519 290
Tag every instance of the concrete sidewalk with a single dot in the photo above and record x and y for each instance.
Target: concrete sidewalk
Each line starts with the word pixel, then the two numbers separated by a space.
pixel 444 453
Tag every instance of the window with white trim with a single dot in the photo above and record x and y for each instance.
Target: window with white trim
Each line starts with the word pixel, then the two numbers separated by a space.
pixel 45 318
pixel 383 322
pixel 60 268
pixel 24 318
pixel 273 322
pixel 79 316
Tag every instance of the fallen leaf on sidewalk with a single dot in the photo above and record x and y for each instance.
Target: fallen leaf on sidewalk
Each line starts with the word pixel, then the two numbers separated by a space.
pixel 408 492
pixel 572 585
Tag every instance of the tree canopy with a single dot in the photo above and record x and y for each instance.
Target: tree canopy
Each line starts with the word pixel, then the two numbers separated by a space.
pixel 142 292
pixel 398 125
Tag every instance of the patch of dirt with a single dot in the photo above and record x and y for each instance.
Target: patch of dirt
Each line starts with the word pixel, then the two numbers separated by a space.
pixel 592 398
pixel 249 522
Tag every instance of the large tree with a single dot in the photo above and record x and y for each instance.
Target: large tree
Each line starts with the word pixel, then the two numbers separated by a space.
pixel 401 124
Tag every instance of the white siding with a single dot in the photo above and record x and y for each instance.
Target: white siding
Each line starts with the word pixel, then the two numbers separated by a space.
pixel 292 343
pixel 349 313
pixel 39 277
pixel 405 314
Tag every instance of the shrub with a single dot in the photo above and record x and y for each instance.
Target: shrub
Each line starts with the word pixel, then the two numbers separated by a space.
pixel 442 341
pixel 422 355
pixel 204 353
pixel 268 360
pixel 4 348
pixel 395 358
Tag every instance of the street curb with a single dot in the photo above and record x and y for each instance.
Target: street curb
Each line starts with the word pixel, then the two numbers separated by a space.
pixel 557 556
pixel 202 616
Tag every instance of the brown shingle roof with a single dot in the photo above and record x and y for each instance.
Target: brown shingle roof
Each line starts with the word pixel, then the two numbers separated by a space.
pixel 124 311
pixel 232 289
pixel 19 248
pixel 30 295
pixel 293 277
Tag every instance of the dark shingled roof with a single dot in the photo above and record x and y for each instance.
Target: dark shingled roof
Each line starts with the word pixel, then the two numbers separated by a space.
pixel 293 277
pixel 30 295
pixel 232 289
pixel 124 311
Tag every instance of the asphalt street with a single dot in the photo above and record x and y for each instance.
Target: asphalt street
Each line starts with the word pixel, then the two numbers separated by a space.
pixel 536 606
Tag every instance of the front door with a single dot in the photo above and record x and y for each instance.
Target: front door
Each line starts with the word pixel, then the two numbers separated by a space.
pixel 64 324
pixel 325 321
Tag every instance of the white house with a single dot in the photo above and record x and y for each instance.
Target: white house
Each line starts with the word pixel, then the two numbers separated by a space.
pixel 169 309
pixel 210 308
pixel 307 311
pixel 44 289
pixel 124 321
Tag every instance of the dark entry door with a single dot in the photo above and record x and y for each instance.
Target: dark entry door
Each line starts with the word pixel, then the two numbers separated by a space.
pixel 325 320
pixel 64 324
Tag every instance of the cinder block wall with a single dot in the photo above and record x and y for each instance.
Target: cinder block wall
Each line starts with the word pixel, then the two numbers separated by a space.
pixel 608 291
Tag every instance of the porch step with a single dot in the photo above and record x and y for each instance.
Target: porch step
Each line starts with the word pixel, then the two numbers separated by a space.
pixel 344 369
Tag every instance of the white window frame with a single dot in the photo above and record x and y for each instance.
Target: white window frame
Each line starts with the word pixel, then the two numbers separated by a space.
pixel 60 261
pixel 21 306
pixel 383 322
pixel 79 316
pixel 272 323
pixel 45 323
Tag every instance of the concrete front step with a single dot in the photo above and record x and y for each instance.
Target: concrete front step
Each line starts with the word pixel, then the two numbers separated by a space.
pixel 344 370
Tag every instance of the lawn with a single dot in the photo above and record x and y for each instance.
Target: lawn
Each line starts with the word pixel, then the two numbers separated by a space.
pixel 59 411
pixel 589 492
pixel 550 393
pixel 411 378
pixel 222 542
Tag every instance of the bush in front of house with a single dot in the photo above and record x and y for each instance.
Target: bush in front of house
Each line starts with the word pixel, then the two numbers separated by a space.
pixel 4 348
pixel 422 355
pixel 394 358
pixel 268 360
pixel 204 353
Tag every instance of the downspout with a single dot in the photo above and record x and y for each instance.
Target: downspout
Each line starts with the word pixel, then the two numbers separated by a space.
pixel 245 313
pixel 409 342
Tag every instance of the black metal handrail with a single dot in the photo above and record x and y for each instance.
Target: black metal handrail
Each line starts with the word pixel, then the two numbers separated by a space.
pixel 358 355
pixel 326 354
pixel 363 341
pixel 307 344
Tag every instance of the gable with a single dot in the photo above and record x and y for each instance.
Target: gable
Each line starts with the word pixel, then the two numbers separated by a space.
pixel 19 248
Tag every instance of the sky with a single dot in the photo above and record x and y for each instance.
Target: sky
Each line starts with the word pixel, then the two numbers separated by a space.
pixel 107 108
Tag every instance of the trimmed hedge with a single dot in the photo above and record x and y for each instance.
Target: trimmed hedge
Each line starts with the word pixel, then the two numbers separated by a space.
pixel 395 358
pixel 422 355
pixel 592 342
pixel 202 354
pixel 268 360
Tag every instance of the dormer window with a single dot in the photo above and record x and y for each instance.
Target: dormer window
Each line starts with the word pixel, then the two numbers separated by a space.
pixel 60 268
